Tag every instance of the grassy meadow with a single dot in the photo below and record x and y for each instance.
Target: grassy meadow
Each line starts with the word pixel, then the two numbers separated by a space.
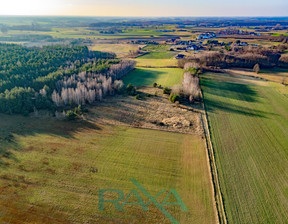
pixel 249 128
pixel 159 55
pixel 51 172
pixel 156 63
pixel 120 49
pixel 147 76
pixel 153 47
pixel 279 75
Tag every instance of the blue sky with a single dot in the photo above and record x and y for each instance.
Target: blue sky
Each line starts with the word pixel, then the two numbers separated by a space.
pixel 146 7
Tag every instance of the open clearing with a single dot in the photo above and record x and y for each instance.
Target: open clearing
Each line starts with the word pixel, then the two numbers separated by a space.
pixel 249 128
pixel 154 112
pixel 48 171
pixel 147 76
pixel 121 50
pixel 51 170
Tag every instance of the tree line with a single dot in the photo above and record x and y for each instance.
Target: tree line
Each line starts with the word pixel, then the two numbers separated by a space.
pixel 56 76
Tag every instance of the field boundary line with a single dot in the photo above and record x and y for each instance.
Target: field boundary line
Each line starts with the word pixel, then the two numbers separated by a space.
pixel 212 164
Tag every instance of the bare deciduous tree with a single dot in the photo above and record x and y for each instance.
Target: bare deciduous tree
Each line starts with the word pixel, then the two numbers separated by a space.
pixel 82 88
pixel 256 68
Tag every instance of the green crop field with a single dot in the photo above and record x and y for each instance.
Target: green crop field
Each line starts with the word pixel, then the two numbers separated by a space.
pixel 159 55
pixel 147 76
pixel 249 128
pixel 51 172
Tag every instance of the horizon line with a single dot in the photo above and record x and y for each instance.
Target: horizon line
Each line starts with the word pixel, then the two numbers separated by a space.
pixel 13 15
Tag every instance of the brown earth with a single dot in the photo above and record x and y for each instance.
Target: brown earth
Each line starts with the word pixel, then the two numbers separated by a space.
pixel 154 112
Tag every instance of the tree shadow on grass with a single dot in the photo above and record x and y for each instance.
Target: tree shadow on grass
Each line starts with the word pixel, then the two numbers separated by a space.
pixel 142 77
pixel 16 125
pixel 214 106
pixel 234 91
pixel 230 90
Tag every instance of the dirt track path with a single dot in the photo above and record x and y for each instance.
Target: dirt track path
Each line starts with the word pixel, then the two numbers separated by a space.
pixel 218 202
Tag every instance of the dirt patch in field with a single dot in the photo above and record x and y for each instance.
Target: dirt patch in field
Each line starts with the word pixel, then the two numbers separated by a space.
pixel 153 112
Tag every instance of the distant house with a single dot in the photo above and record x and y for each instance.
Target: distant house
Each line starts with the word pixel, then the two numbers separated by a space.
pixel 243 44
pixel 192 47
pixel 207 35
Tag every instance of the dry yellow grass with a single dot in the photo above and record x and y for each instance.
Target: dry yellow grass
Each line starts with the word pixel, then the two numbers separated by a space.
pixel 121 50
pixel 276 75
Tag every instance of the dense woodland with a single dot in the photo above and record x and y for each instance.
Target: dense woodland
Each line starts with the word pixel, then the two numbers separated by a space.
pixel 58 76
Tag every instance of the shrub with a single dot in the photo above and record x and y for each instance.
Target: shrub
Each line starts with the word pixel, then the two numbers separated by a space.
pixel 131 90
pixel 71 115
pixel 154 84
pixel 192 70
pixel 78 110
pixel 137 97
pixel 166 90
pixel 227 48
pixel 118 85
pixel 174 97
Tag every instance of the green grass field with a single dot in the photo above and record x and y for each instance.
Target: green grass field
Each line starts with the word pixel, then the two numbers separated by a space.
pixel 156 63
pixel 47 175
pixel 159 55
pixel 249 128
pixel 87 32
pixel 160 47
pixel 147 76
pixel 278 34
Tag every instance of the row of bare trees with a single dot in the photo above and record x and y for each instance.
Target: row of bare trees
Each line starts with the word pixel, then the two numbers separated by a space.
pixel 190 87
pixel 245 57
pixel 88 87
